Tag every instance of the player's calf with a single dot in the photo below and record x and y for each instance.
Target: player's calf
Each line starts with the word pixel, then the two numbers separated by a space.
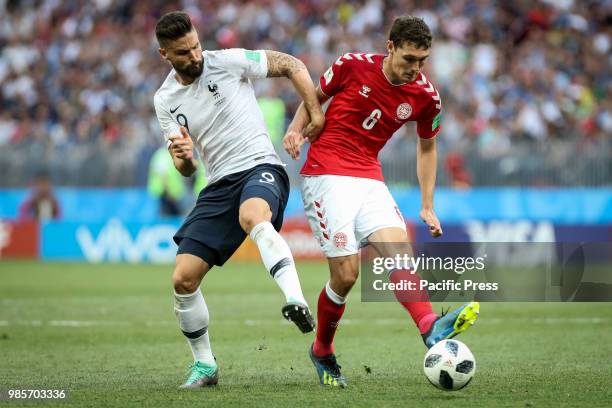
pixel 277 258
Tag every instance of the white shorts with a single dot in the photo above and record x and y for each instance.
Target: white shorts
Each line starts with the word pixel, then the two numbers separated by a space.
pixel 343 211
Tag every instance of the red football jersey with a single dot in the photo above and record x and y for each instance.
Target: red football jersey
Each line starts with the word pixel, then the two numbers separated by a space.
pixel 365 111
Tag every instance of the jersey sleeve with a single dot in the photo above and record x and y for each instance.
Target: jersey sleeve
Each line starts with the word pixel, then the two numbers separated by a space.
pixel 429 125
pixel 243 63
pixel 333 80
pixel 168 125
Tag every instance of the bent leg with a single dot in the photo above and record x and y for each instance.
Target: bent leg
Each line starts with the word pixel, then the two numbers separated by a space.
pixel 255 217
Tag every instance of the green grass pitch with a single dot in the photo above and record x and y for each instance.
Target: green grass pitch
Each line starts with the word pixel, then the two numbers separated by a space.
pixel 108 334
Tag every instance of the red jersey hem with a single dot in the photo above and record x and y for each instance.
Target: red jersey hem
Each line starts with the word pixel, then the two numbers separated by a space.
pixel 327 172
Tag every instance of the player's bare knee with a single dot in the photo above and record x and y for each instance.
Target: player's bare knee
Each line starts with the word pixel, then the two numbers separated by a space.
pixel 184 280
pixel 184 285
pixel 346 280
pixel 343 278
pixel 247 221
pixel 188 273
pixel 249 217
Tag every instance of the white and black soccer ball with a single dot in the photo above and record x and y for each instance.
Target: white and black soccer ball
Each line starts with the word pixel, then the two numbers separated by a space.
pixel 449 365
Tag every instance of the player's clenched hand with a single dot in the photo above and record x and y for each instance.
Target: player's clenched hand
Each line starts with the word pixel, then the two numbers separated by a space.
pixel 314 127
pixel 292 142
pixel 430 218
pixel 182 146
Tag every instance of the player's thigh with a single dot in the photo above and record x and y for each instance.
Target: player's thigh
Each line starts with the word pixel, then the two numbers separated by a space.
pixel 212 229
pixel 390 241
pixel 264 197
pixel 331 204
pixel 380 214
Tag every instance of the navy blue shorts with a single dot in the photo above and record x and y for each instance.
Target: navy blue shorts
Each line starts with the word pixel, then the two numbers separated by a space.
pixel 212 231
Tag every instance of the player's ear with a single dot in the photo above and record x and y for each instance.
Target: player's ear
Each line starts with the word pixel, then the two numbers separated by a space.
pixel 163 53
pixel 390 47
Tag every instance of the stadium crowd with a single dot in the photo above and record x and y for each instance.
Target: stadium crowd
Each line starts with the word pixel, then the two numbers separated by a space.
pixel 77 77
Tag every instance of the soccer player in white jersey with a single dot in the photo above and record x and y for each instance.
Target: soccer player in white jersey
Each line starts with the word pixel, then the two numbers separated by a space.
pixel 207 102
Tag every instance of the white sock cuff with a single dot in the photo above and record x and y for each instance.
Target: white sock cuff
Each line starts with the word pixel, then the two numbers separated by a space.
pixel 188 300
pixel 333 296
pixel 188 295
pixel 261 227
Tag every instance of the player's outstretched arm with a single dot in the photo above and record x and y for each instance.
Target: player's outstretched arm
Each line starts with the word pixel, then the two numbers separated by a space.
pixel 181 150
pixel 426 172
pixel 285 65
pixel 295 136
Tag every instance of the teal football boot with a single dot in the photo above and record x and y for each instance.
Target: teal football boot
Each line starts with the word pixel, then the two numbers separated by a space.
pixel 448 325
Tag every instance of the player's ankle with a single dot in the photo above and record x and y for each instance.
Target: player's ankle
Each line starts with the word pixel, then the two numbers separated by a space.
pixel 426 322
pixel 320 349
pixel 296 299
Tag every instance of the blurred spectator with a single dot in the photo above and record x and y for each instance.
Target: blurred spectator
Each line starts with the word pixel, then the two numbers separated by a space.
pixel 199 181
pixel 169 186
pixel 273 110
pixel 166 183
pixel 458 175
pixel 72 85
pixel 41 205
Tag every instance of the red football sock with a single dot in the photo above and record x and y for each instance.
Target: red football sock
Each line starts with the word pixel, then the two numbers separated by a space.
pixel 329 314
pixel 416 302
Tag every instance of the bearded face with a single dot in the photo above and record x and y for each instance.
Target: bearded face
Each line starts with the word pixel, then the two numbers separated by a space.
pixel 191 69
pixel 185 56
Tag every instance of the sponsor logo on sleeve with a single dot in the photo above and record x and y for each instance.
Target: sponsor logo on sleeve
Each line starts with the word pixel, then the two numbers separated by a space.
pixel 252 55
pixel 436 122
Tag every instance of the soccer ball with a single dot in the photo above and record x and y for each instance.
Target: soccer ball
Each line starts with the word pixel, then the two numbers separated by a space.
pixel 449 365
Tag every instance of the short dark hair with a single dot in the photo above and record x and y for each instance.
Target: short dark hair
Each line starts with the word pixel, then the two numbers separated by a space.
pixel 172 26
pixel 410 29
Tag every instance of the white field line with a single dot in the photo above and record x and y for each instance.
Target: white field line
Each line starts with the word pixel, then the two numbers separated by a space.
pixel 270 322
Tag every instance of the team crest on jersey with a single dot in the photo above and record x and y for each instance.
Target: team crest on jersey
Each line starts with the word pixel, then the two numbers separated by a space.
pixel 364 91
pixel 214 89
pixel 404 111
pixel 340 239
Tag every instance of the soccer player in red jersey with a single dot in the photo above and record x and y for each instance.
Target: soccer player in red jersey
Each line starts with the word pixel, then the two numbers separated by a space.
pixel 345 197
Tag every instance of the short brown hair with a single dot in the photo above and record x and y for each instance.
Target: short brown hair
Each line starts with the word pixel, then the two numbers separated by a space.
pixel 172 26
pixel 410 29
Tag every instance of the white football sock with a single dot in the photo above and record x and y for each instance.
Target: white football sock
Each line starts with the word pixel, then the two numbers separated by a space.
pixel 192 314
pixel 277 258
pixel 333 296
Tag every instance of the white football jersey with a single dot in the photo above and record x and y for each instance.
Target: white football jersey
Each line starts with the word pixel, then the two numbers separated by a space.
pixel 220 111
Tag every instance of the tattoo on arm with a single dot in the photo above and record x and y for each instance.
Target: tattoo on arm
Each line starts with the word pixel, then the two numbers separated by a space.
pixel 281 64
